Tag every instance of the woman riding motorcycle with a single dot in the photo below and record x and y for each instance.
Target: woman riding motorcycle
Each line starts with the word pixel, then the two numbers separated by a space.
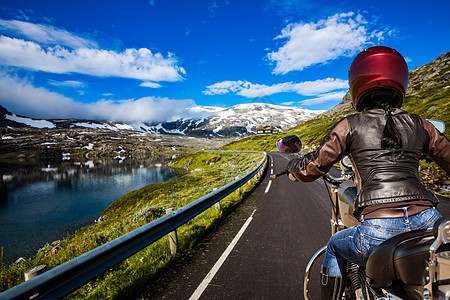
pixel 385 145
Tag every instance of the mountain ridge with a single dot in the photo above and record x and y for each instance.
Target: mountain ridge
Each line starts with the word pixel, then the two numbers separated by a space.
pixel 238 120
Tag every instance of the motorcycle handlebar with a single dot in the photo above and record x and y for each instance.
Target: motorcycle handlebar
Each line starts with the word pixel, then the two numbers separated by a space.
pixel 347 174
pixel 336 180
pixel 328 177
pixel 279 174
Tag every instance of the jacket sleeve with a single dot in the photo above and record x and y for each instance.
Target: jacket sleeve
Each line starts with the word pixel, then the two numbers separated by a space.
pixel 438 146
pixel 317 163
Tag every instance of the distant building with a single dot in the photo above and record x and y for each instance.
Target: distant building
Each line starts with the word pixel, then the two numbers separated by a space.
pixel 267 130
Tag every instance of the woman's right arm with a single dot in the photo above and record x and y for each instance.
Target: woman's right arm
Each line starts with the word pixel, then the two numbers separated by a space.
pixel 319 162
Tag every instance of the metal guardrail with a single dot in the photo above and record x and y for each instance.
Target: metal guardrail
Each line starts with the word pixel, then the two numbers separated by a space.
pixel 69 276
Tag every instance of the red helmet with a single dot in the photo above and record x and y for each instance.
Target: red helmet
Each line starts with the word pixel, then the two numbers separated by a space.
pixel 377 67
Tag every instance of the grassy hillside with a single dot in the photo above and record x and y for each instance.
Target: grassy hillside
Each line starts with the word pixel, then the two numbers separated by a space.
pixel 429 91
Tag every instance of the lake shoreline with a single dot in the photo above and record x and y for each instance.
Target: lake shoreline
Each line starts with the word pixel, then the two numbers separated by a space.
pixel 23 233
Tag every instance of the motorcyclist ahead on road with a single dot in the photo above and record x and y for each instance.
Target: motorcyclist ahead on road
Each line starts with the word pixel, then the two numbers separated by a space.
pixel 385 144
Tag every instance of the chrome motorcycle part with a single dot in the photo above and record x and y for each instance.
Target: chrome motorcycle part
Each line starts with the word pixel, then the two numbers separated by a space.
pixel 443 235
pixel 438 285
pixel 311 263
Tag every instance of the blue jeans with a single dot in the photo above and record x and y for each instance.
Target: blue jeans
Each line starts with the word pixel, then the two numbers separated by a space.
pixel 356 243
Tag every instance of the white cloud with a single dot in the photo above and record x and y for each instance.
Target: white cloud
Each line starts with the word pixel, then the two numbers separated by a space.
pixel 224 87
pixel 67 83
pixel 131 63
pixel 319 86
pixel 45 34
pixel 324 98
pixel 150 84
pixel 145 109
pixel 251 90
pixel 23 98
pixel 316 43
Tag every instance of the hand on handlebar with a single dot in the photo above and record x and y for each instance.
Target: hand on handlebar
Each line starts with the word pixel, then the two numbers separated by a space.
pixel 287 172
pixel 279 174
pixel 292 166
pixel 291 177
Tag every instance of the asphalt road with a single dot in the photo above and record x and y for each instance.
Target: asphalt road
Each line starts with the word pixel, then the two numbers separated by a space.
pixel 287 223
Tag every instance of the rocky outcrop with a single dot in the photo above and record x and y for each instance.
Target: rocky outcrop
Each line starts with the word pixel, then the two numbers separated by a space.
pixel 432 74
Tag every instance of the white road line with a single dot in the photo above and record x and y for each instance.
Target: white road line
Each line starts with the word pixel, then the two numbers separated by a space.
pixel 268 187
pixel 201 288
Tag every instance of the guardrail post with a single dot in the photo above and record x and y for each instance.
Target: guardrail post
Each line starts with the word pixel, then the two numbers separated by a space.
pixel 173 238
pixel 217 206
pixel 34 272
pixel 239 189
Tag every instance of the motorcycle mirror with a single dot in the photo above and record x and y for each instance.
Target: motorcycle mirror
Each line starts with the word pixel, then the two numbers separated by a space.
pixel 290 144
pixel 440 125
pixel 346 163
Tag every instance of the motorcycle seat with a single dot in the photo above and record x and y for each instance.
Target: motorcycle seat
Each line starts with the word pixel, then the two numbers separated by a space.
pixel 401 258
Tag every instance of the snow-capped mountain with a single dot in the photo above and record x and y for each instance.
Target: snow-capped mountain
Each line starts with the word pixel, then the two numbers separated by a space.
pixel 242 119
pixel 238 120
pixel 10 120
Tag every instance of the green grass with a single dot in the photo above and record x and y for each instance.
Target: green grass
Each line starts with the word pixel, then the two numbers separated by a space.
pixel 205 171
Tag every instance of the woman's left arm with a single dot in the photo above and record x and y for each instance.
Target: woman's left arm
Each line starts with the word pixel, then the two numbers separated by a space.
pixel 438 146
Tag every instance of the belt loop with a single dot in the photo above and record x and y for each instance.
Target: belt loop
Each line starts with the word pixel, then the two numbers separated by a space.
pixel 405 211
pixel 324 273
pixel 361 219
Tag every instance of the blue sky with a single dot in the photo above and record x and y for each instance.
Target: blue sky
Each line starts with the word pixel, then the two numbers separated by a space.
pixel 153 60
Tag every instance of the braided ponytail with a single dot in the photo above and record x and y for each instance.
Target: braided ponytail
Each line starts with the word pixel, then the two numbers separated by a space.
pixel 385 98
pixel 391 138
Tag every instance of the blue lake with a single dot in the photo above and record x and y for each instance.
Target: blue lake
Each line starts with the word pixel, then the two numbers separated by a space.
pixel 51 201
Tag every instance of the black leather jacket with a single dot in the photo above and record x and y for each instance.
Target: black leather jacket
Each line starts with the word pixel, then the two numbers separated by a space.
pixel 382 176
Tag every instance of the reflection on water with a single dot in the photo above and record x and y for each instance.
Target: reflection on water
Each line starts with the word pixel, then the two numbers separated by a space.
pixel 40 203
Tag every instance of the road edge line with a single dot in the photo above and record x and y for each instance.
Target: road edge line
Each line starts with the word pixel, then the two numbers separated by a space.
pixel 268 187
pixel 204 284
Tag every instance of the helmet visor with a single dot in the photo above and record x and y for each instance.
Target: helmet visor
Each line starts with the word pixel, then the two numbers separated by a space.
pixel 290 144
pixel 282 147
